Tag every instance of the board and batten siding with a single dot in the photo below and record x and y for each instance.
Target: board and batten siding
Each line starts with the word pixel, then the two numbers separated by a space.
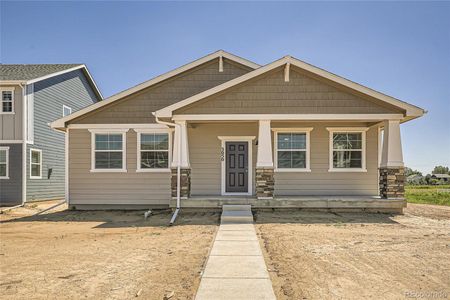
pixel 270 94
pixel 205 147
pixel 205 154
pixel 127 188
pixel 138 108
pixel 71 89
pixel 11 124
pixel 11 189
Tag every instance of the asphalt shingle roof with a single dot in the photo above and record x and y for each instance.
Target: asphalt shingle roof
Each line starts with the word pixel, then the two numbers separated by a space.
pixel 29 72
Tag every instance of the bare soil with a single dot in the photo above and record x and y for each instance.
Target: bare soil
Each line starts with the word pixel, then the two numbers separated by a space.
pixel 102 254
pixel 314 255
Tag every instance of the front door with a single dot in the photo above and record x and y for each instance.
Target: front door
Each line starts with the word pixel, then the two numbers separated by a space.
pixel 236 172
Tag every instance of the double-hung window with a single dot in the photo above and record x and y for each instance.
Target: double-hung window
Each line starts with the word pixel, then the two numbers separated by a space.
pixel 347 149
pixel 7 101
pixel 153 151
pixel 292 150
pixel 4 162
pixel 35 164
pixel 108 151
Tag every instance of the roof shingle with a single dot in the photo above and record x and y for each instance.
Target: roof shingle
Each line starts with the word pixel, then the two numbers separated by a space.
pixel 32 71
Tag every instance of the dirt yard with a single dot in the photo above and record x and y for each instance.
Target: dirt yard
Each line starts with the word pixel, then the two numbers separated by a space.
pixel 358 256
pixel 102 255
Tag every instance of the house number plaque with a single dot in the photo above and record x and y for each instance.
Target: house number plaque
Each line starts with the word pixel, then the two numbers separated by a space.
pixel 222 154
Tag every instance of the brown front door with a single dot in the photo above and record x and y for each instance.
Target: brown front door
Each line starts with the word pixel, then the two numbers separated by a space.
pixel 236 171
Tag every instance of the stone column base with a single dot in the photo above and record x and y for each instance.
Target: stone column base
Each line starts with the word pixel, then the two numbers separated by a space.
pixel 392 182
pixel 185 183
pixel 265 183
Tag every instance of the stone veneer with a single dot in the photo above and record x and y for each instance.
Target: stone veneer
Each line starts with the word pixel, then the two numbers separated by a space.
pixel 185 183
pixel 264 183
pixel 392 182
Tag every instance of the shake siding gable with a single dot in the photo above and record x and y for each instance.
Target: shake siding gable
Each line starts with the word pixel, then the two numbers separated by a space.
pixel 138 108
pixel 302 94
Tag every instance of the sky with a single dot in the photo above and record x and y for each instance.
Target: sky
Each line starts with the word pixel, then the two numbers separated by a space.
pixel 398 48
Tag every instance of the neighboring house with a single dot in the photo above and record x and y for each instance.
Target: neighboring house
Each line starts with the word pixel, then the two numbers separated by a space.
pixel 31 153
pixel 441 177
pixel 222 129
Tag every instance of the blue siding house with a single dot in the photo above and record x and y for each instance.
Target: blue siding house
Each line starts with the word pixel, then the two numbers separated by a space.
pixel 32 155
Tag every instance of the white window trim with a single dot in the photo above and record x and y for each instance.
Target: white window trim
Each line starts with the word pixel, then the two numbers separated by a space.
pixel 7 89
pixel 361 130
pixel 138 147
pixel 123 132
pixel 249 140
pixel 308 149
pixel 40 163
pixel 7 163
pixel 66 107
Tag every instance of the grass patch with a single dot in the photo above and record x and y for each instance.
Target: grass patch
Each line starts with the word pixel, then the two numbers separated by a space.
pixel 428 194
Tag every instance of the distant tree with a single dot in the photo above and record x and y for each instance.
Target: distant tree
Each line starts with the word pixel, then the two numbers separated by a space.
pixel 428 179
pixel 409 171
pixel 440 170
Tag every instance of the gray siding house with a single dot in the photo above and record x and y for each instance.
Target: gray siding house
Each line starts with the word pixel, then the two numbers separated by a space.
pixel 224 130
pixel 32 155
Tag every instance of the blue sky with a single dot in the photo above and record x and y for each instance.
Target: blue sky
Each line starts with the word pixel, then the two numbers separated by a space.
pixel 399 48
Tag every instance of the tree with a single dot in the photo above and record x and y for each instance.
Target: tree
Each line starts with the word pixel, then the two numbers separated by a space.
pixel 440 170
pixel 409 171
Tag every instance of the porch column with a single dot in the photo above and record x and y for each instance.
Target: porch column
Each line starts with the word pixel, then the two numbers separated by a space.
pixel 264 165
pixel 392 174
pixel 181 157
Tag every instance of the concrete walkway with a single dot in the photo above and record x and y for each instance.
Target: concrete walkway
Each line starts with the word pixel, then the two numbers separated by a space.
pixel 236 267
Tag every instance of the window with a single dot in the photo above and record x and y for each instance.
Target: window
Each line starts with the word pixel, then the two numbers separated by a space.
pixel 292 149
pixel 35 164
pixel 347 150
pixel 4 162
pixel 108 151
pixel 66 110
pixel 7 101
pixel 153 151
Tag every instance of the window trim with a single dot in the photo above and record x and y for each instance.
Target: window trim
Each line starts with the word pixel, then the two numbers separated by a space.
pixel 6 148
pixel 138 153
pixel 306 131
pixel 124 150
pixel 361 130
pixel 68 107
pixel 40 163
pixel 7 89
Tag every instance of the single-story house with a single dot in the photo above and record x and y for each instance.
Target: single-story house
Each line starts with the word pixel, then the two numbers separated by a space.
pixel 223 130
pixel 441 177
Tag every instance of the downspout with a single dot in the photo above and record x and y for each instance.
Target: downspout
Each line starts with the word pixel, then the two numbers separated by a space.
pixel 178 207
pixel 24 141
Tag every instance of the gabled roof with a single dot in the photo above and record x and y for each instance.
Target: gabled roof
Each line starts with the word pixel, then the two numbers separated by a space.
pixel 60 123
pixel 31 73
pixel 411 110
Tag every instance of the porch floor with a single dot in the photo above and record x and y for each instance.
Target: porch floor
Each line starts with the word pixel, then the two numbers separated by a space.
pixel 307 202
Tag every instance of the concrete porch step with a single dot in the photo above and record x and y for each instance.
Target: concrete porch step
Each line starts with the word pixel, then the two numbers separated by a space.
pixel 237 216
pixel 237 207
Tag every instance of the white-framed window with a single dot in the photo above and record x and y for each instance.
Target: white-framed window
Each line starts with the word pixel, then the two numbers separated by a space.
pixel 347 149
pixel 4 162
pixel 153 150
pixel 292 149
pixel 35 164
pixel 7 105
pixel 108 150
pixel 66 110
